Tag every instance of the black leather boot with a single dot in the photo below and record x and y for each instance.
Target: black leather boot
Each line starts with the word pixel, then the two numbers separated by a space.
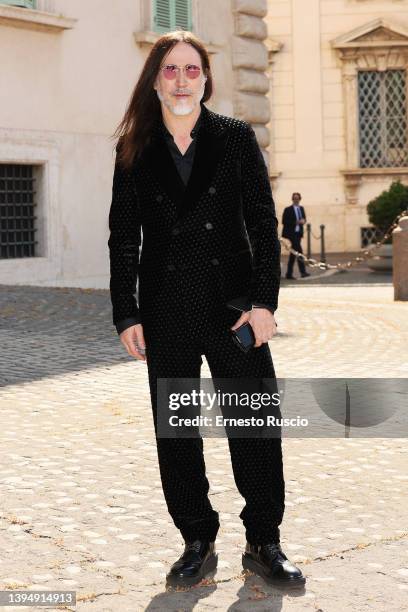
pixel 198 559
pixel 270 562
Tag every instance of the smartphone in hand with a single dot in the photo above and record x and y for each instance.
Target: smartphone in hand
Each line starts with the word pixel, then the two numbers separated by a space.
pixel 244 337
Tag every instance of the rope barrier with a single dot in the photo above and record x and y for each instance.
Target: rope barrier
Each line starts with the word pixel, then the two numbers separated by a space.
pixel 366 254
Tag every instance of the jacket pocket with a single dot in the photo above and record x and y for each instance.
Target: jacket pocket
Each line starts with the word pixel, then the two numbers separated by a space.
pixel 239 253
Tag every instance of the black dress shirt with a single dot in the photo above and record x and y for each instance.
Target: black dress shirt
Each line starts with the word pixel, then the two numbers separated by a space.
pixel 184 163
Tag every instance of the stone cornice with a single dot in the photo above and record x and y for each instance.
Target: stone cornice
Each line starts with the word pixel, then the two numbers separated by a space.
pixel 147 38
pixel 354 176
pixel 375 34
pixel 32 19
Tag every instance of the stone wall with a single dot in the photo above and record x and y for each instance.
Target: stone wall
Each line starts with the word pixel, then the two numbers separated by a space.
pixel 249 64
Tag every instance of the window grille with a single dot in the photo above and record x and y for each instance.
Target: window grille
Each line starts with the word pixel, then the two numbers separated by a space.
pixel 17 219
pixel 382 118
pixel 370 235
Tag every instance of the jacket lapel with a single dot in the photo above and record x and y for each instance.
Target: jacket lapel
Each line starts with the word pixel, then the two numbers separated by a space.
pixel 210 147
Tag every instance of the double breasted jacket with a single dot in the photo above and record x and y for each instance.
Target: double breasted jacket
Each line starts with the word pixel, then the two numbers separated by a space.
pixel 208 247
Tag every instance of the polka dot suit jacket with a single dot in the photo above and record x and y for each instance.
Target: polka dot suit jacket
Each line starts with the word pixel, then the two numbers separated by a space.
pixel 206 248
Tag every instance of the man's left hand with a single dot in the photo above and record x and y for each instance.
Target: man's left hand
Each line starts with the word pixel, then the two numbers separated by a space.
pixel 262 322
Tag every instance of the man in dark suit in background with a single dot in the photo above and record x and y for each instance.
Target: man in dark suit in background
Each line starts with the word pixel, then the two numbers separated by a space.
pixel 293 219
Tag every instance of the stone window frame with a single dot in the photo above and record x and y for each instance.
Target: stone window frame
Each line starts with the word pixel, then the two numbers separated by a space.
pixel 378 45
pixel 35 19
pixel 24 147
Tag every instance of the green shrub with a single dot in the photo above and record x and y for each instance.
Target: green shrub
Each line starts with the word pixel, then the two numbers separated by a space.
pixel 383 209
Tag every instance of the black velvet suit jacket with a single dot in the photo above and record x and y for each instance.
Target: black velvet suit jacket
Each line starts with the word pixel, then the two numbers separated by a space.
pixel 289 222
pixel 206 247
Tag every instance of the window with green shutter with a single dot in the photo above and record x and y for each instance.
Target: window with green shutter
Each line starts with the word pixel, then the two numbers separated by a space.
pixel 171 15
pixel 23 3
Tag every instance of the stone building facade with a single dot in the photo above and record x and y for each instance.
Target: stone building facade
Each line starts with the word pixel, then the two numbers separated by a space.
pixel 338 99
pixel 289 67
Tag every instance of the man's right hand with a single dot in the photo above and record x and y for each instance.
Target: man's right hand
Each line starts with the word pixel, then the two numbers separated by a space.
pixel 132 339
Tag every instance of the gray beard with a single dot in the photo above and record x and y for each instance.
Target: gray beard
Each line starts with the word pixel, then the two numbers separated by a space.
pixel 183 109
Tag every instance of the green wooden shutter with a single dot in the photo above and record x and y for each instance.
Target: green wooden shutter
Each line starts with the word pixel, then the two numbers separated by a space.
pixel 24 3
pixel 182 14
pixel 161 17
pixel 171 15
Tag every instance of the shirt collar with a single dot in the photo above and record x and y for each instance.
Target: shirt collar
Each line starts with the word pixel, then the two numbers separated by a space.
pixel 193 132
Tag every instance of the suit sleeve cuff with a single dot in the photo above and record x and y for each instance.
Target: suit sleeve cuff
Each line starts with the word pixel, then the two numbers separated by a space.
pixel 125 323
pixel 257 305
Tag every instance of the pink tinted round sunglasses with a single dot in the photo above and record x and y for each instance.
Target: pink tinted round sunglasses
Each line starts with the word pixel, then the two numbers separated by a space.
pixel 170 71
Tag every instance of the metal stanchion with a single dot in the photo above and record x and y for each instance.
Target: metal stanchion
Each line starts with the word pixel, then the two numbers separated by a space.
pixel 322 247
pixel 309 239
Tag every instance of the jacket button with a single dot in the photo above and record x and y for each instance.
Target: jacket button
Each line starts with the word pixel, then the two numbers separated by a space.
pixel 215 261
pixel 175 231
pixel 159 198
pixel 212 190
pixel 171 267
pixel 209 225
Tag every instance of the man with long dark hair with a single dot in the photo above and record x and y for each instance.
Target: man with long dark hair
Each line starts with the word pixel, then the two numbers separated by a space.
pixel 194 183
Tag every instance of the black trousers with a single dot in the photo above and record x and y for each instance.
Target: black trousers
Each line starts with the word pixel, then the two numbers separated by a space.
pixel 295 243
pixel 256 462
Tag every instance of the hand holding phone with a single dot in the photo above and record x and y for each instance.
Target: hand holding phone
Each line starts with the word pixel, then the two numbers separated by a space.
pixel 244 337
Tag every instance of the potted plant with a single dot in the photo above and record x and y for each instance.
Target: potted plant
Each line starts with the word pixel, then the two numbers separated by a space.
pixel 382 211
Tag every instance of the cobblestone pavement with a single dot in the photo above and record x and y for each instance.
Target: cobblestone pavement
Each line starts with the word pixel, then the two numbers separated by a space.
pixel 82 506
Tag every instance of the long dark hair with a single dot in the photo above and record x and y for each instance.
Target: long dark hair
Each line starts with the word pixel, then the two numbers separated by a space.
pixel 143 109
